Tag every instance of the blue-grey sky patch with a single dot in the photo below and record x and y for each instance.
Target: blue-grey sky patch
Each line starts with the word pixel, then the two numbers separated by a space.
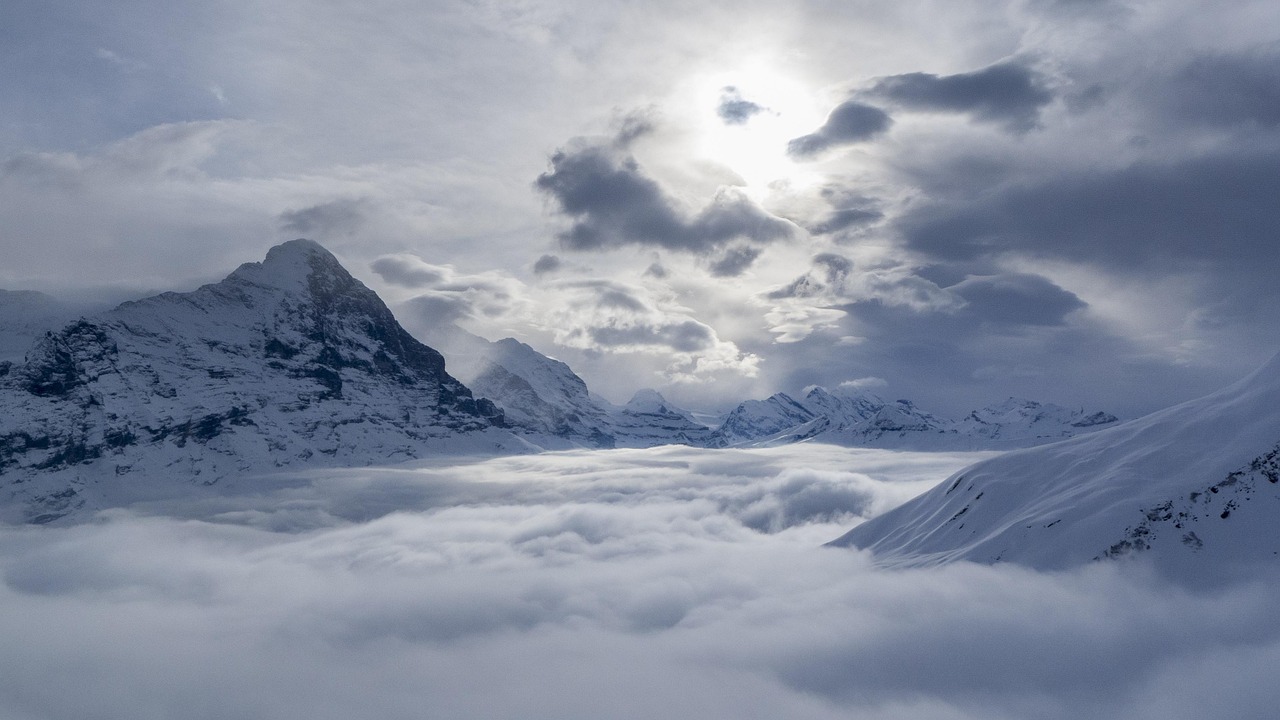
pixel 1145 218
pixel 1229 90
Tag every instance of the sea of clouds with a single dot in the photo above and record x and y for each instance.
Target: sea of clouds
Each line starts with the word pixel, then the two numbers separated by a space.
pixel 662 583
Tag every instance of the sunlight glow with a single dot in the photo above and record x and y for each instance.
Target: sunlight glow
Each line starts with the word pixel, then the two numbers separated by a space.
pixel 756 149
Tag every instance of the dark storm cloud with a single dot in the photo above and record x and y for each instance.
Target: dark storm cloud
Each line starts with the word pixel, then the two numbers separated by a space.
pixel 1229 90
pixel 336 217
pixel 1214 212
pixel 734 110
pixel 613 203
pixel 734 261
pixel 547 264
pixel 1008 93
pixel 684 336
pixel 1017 299
pixel 851 122
pixel 844 219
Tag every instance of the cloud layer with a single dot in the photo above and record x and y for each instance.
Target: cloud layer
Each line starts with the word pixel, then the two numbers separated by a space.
pixel 627 584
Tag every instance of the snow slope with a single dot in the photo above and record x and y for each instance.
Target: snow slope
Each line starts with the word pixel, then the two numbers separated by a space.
pixel 1195 487
pixel 287 362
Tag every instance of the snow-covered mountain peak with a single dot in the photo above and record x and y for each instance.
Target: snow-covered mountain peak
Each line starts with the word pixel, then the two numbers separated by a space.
pixel 292 265
pixel 291 360
pixel 647 400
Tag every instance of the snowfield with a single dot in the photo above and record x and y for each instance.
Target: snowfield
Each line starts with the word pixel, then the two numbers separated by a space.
pixel 671 582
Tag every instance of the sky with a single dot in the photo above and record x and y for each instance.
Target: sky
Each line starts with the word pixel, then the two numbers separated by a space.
pixel 670 582
pixel 954 202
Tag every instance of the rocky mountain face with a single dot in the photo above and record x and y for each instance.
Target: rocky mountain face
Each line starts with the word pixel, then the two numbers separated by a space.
pixel 862 419
pixel 286 362
pixel 1195 488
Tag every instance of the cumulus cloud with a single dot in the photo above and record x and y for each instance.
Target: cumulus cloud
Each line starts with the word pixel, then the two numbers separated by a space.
pixel 630 584
pixel 442 295
pixel 622 318
pixel 612 202
pixel 1008 93
pixel 734 109
pixel 850 122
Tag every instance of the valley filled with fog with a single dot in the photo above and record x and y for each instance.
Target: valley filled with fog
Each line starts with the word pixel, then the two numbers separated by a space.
pixel 669 582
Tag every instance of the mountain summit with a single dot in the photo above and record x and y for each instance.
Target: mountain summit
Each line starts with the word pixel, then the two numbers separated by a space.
pixel 285 362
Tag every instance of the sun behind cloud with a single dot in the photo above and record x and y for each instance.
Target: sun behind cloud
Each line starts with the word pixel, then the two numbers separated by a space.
pixel 746 117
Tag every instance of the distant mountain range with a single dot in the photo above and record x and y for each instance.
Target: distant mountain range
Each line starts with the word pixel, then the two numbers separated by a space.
pixel 862 419
pixel 292 362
